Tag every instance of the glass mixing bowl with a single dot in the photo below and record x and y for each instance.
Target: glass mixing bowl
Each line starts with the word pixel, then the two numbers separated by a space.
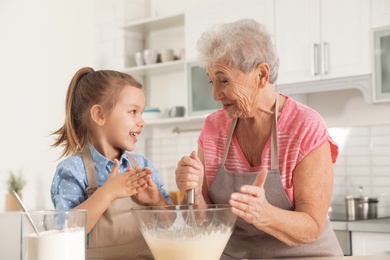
pixel 178 232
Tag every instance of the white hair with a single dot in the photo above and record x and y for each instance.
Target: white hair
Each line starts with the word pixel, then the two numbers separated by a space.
pixel 242 44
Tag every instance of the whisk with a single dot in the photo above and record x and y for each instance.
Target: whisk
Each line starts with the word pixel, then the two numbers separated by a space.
pixel 190 220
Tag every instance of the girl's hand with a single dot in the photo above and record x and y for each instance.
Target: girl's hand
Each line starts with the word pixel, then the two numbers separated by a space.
pixel 189 175
pixel 126 184
pixel 150 194
pixel 250 203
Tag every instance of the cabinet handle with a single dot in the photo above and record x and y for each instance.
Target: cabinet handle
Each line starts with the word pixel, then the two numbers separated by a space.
pixel 314 65
pixel 326 58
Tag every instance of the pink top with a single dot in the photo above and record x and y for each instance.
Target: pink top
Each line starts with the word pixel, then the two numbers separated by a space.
pixel 300 131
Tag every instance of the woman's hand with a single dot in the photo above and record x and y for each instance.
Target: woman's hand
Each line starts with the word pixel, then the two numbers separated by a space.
pixel 250 203
pixel 312 182
pixel 126 184
pixel 189 175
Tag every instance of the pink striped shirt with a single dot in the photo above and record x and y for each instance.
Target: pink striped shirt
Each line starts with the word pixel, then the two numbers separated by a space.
pixel 300 131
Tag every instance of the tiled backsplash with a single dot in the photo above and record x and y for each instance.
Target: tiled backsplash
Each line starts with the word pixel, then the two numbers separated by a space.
pixel 364 160
pixel 165 152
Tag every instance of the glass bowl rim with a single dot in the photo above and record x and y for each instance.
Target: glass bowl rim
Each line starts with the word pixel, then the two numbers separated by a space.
pixel 182 208
pixel 54 211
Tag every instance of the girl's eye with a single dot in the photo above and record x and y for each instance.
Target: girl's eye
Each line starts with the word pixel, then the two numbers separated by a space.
pixel 133 111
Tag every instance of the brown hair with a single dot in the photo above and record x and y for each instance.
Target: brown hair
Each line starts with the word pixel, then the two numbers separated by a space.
pixel 87 88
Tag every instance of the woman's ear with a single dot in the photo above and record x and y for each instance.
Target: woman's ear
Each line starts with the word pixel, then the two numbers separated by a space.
pixel 262 70
pixel 97 115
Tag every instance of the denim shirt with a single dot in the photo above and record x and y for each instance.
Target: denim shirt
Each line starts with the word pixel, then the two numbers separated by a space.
pixel 69 186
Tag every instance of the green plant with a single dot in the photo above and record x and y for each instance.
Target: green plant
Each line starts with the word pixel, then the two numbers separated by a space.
pixel 15 183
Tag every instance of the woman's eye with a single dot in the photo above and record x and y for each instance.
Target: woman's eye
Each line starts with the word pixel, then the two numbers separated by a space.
pixel 224 82
pixel 133 111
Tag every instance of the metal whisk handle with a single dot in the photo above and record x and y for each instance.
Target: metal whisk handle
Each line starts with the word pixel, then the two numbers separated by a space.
pixel 191 196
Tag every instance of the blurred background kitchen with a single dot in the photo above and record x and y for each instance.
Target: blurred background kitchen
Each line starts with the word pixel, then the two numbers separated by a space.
pixel 333 58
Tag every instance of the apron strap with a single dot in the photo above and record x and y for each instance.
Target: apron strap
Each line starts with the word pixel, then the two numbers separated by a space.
pixel 274 137
pixel 133 162
pixel 229 139
pixel 89 171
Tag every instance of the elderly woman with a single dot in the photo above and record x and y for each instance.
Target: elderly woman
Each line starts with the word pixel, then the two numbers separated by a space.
pixel 268 156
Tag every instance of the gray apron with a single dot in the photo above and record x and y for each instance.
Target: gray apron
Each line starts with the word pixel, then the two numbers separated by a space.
pixel 248 242
pixel 116 235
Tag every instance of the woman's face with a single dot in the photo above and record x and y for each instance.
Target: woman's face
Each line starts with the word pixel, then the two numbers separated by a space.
pixel 237 91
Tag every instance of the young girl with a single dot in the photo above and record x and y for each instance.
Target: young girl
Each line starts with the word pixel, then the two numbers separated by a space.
pixel 103 120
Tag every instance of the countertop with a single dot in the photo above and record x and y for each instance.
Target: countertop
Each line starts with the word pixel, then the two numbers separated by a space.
pixel 381 225
pixel 376 257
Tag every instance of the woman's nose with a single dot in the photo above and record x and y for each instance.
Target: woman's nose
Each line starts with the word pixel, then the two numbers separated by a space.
pixel 217 94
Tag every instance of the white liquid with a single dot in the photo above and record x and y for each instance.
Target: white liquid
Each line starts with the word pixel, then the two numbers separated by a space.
pixel 55 245
pixel 205 247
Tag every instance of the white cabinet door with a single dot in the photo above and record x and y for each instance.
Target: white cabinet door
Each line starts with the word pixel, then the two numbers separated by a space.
pixel 345 34
pixel 369 243
pixel 319 39
pixel 202 18
pixel 297 37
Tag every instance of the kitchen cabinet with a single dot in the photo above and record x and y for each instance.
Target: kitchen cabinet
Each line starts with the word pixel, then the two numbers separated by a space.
pixel 370 243
pixel 322 39
pixel 380 13
pixel 161 79
pixel 151 28
pixel 10 225
pixel 381 64
pixel 216 12
pixel 380 23
pixel 344 238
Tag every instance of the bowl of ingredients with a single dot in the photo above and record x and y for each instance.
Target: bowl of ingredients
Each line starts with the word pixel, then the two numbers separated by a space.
pixel 186 231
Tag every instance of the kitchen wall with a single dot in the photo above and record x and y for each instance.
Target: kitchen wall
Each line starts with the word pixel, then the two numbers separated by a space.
pixel 42 44
pixel 364 160
pixel 360 128
pixel 39 40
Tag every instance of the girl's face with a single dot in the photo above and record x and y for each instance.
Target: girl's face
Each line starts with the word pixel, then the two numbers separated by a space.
pixel 124 123
pixel 237 91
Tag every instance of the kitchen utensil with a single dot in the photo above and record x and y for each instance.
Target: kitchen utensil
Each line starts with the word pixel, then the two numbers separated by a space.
pixel 139 59
pixel 177 111
pixel 167 55
pixel 361 207
pixel 162 227
pixel 191 220
pixel 150 56
pixel 26 211
pixel 191 197
pixel 62 235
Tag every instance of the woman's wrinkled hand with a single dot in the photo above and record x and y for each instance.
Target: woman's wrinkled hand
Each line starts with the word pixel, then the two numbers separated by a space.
pixel 128 183
pixel 250 203
pixel 190 174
